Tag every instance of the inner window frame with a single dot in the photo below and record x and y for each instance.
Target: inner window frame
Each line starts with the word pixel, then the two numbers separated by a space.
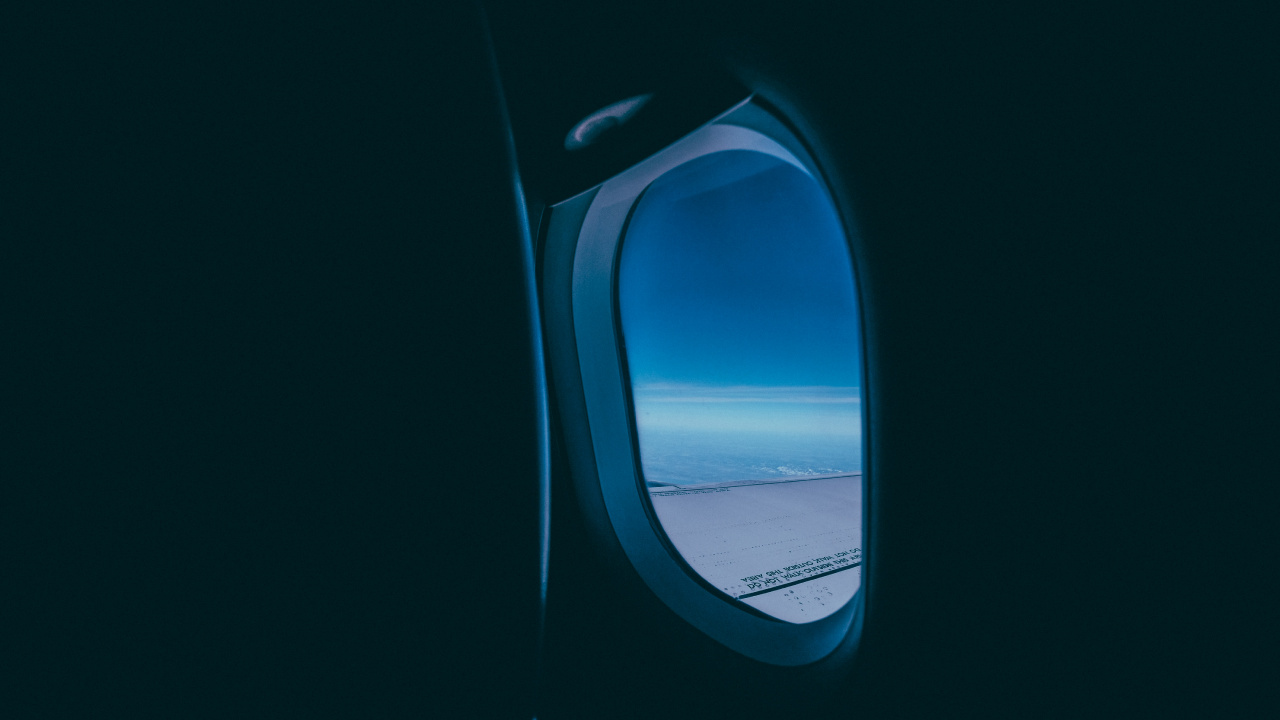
pixel 605 213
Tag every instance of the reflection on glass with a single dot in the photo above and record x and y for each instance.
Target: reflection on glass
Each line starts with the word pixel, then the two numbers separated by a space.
pixel 739 319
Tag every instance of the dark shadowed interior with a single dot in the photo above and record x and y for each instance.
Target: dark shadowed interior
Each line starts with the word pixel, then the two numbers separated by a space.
pixel 276 431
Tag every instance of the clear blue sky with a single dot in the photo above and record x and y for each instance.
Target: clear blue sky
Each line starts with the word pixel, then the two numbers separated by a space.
pixel 737 300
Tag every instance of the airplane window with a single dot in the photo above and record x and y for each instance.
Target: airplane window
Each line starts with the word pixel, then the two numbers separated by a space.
pixel 740 325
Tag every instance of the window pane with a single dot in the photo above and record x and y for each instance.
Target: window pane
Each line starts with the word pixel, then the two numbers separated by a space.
pixel 739 319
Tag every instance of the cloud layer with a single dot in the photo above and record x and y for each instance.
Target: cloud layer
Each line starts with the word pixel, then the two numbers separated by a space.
pixel 789 394
pixel 814 410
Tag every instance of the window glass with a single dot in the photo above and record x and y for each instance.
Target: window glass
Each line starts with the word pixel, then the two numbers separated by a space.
pixel 739 321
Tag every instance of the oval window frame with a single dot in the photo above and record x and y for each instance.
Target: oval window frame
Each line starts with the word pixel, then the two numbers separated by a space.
pixel 606 392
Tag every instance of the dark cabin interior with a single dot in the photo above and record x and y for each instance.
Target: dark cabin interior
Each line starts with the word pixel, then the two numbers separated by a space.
pixel 276 420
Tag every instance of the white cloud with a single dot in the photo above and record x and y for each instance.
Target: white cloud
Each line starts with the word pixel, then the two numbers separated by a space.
pixel 791 394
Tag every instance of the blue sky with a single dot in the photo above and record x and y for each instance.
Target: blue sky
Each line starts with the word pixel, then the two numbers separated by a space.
pixel 737 302
pixel 734 271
